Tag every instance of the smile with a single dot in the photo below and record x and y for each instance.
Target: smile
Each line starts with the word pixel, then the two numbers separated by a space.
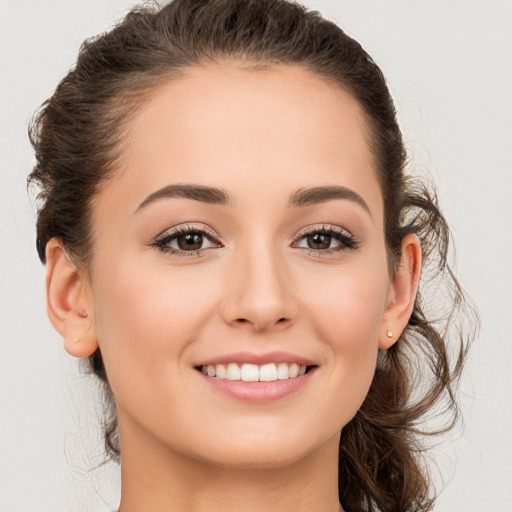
pixel 254 373
pixel 257 377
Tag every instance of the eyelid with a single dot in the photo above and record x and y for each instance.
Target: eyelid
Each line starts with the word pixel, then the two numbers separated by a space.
pixel 165 237
pixel 347 240
pixel 323 228
pixel 188 227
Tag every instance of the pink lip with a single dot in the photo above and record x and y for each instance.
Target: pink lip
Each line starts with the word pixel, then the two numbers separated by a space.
pixel 258 392
pixel 259 359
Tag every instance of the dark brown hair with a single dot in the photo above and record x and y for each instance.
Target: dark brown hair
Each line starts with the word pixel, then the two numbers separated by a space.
pixel 77 137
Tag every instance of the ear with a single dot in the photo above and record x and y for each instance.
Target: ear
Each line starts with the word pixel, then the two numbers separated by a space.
pixel 69 301
pixel 402 293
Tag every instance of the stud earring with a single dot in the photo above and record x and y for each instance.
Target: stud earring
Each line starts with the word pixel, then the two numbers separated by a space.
pixel 389 334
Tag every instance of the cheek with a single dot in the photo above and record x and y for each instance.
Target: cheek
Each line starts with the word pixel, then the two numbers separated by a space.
pixel 144 315
pixel 348 304
pixel 346 315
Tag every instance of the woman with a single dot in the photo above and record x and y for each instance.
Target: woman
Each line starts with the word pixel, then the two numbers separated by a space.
pixel 232 241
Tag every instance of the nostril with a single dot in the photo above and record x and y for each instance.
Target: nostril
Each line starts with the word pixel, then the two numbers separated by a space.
pixel 264 325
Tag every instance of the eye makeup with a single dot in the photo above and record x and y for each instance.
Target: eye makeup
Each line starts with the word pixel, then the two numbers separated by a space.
pixel 187 241
pixel 190 240
pixel 326 240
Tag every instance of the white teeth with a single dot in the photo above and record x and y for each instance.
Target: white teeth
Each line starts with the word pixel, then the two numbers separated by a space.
pixel 233 372
pixel 250 373
pixel 268 372
pixel 254 373
pixel 220 370
pixel 283 371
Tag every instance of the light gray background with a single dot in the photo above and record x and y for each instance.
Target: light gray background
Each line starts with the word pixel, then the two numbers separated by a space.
pixel 448 63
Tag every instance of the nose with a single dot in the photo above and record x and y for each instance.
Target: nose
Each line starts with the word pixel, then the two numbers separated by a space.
pixel 260 292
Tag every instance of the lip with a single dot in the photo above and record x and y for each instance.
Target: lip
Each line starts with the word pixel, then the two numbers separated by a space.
pixel 259 359
pixel 258 392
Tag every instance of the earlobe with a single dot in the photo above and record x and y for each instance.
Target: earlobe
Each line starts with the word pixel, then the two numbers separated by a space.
pixel 403 290
pixel 68 302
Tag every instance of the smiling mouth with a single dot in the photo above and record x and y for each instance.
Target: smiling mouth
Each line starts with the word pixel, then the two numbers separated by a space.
pixel 255 373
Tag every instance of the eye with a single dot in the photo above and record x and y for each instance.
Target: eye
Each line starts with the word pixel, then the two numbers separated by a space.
pixel 189 241
pixel 326 239
pixel 319 241
pixel 186 241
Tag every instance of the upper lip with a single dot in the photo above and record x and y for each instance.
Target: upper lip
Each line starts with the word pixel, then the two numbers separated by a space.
pixel 259 359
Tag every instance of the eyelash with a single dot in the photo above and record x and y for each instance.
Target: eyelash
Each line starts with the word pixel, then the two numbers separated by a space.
pixel 161 243
pixel 347 241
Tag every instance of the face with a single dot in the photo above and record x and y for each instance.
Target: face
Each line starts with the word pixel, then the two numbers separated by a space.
pixel 242 236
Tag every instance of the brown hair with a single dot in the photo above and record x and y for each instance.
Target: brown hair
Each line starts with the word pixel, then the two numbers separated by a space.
pixel 77 135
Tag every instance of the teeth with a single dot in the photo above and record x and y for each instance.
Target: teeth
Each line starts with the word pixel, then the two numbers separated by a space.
pixel 283 371
pixel 254 373
pixel 250 373
pixel 233 372
pixel 220 371
pixel 268 372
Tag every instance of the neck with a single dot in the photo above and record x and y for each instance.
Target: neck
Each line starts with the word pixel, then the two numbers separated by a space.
pixel 155 478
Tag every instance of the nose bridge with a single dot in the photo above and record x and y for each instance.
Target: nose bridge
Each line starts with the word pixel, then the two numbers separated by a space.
pixel 260 288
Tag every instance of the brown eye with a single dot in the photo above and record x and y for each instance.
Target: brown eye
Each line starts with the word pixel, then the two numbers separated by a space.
pixel 186 241
pixel 319 241
pixel 327 240
pixel 190 241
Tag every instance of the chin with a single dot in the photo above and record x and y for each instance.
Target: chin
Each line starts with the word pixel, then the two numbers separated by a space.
pixel 265 450
pixel 256 459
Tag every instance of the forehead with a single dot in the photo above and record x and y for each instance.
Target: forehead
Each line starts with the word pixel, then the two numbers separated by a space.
pixel 227 104
pixel 249 130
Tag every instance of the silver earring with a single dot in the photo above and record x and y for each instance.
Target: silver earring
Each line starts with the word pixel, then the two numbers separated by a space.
pixel 389 334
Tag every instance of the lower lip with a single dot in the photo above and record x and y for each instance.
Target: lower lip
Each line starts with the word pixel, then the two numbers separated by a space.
pixel 259 391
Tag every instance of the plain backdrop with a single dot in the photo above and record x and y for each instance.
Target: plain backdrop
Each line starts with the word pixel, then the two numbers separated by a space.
pixel 448 63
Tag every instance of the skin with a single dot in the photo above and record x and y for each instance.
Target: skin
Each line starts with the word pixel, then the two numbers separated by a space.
pixel 257 287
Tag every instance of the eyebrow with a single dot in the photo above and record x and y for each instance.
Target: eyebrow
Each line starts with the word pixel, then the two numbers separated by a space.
pixel 212 195
pixel 317 195
pixel 201 193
